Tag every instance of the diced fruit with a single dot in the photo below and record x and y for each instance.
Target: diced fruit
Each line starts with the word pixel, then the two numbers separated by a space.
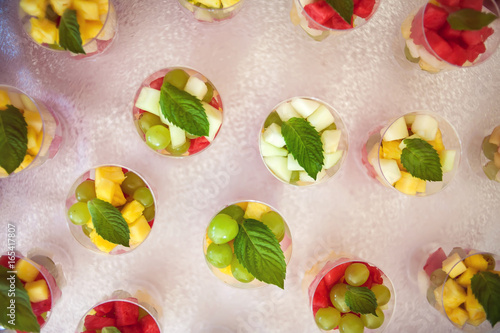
pixel 214 117
pixel 305 107
pixel 371 321
pixel 222 229
pixel 93 322
pixel 476 261
pixel 351 323
pixel 113 173
pixel 327 318
pixel 60 6
pixel 278 165
pixel 337 22
pixel 304 176
pixel 37 290
pixel 239 272
pixel 391 150
pixel 434 261
pixel 453 265
pixel 104 308
pixel 126 313
pixel 490 170
pixel 273 136
pixel 79 213
pixel 131 183
pixel 496 159
pixel 85 191
pixel 332 159
pixel 390 170
pixel 474 308
pixel 4 100
pixel 87 10
pixel 407 183
pixel 219 255
pixel 293 164
pixel 464 278
pixel 33 119
pixel 105 189
pixel 176 140
pixel 43 31
pixel 139 230
pixel 363 8
pixel 495 136
pixel 210 3
pixel 437 44
pixel 149 100
pixel 320 11
pixel 198 144
pixel 196 87
pixel 255 210
pixel 458 315
pixel 268 149
pixel 474 37
pixel 453 294
pixel 132 211
pixel 397 131
pixel 286 111
pixel 330 140
pixel 148 325
pixel 450 3
pixel 425 126
pixel 118 197
pixel 447 158
pixel 434 17
pixel 229 3
pixel 90 30
pixel 437 143
pixel 321 118
pixel 275 222
pixel 406 27
pixel 356 274
pixel 26 271
pixel 39 308
pixel 33 7
pixel 101 243
pixel 472 4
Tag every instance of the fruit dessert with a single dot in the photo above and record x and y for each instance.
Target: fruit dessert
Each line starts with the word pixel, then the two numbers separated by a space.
pixel 212 11
pixel 490 156
pixel 84 27
pixel 303 141
pixel 464 286
pixel 110 209
pixel 321 18
pixel 446 34
pixel 32 133
pixel 410 154
pixel 30 287
pixel 177 112
pixel 247 245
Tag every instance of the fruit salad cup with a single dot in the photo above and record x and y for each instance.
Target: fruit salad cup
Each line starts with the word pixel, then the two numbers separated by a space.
pixel 417 154
pixel 212 11
pixel 30 123
pixel 490 155
pixel 320 20
pixel 44 21
pixel 456 283
pixel 181 86
pixel 438 35
pixel 111 209
pixel 122 312
pixel 314 118
pixel 327 284
pixel 225 229
pixel 36 282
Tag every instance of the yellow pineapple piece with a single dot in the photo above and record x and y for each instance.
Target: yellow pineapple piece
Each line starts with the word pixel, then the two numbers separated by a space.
pixel 34 7
pixel 132 211
pixel 39 141
pixel 476 261
pixel 407 183
pixel 103 6
pixel 112 173
pixel 422 185
pixel 226 270
pixel 243 205
pixel 453 265
pixel 90 224
pixel 92 312
pixel 458 315
pixel 118 197
pixel 453 294
pixel 474 308
pixel 210 3
pixel 33 119
pixel 391 150
pixel 139 230
pixel 28 159
pixel 105 189
pixel 88 10
pixel 255 210
pixel 101 243
pixel 427 67
pixel 464 279
pixel 37 290
pixel 3 173
pixel 207 243
pixel 4 100
pixel 26 271
pixel 44 31
pixel 229 3
pixel 90 30
pixel 60 6
pixel 33 147
pixel 437 143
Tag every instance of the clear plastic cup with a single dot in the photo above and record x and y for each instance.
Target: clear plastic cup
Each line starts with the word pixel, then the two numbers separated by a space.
pixel 211 15
pixel 490 155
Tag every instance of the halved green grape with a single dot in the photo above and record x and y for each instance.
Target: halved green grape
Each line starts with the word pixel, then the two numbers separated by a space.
pixel 273 118
pixel 490 170
pixel 235 211
pixel 491 261
pixel 382 293
pixel 177 77
pixel 179 150
pixel 327 318
pixel 350 323
pixel 275 222
pixel 149 213
pixel 356 274
pixel 79 213
pixel 209 94
pixel 222 229
pixel 438 277
pixel 409 56
pixel 131 183
pixel 337 297
pixel 144 196
pixel 148 120
pixel 371 321
pixel 86 230
pixel 489 149
pixel 219 255
pixel 85 191
pixel 294 177
pixel 239 272
pixel 158 137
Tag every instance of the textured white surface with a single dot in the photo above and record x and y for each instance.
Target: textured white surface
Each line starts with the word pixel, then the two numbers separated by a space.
pixel 256 60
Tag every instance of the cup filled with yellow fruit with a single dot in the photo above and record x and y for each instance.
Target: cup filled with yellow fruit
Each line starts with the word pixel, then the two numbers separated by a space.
pixel 212 11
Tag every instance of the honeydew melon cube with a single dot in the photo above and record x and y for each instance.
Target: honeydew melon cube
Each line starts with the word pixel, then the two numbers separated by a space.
pixel 86 9
pixel 196 87
pixel 304 177
pixel 210 3
pixel 396 131
pixel 201 14
pixel 409 119
pixel 321 118
pixel 402 145
pixel 26 271
pixel 305 107
pixel 330 140
pixel 390 170
pixel 33 119
pixel 113 173
pixel 4 99
pixel 267 149
pixel 105 190
pixel 279 166
pixel 214 117
pixel 286 111
pixel 453 265
pixel 272 135
pixel 332 159
pixel 149 100
pixel 15 100
pixel 293 164
pixel 132 211
pixel 37 290
pixel 413 48
pixel 425 126
pixel 60 6
pixel 406 26
pixel 255 210
pixel 139 230
pixel 177 136
pixel 447 158
pixel 101 243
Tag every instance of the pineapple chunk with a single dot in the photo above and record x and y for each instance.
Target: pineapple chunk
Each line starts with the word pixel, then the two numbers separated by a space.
pixel 60 6
pixel 453 265
pixel 210 3
pixel 453 294
pixel 118 197
pixel 422 185
pixel 103 6
pixel 90 224
pixel 226 270
pixel 391 150
pixel 34 7
pixel 87 10
pixel 90 30
pixel 4 99
pixel 474 308
pixel 243 205
pixel 28 159
pixel 101 243
pixel 407 183
pixel 44 31
pixel 437 143
pixel 476 261
pixel 255 210
pixel 33 147
pixel 37 290
pixel 229 3
pixel 105 189
pixel 464 278
pixel 458 315
pixel 139 230
pixel 132 211
pixel 33 119
pixel 113 173
pixel 26 271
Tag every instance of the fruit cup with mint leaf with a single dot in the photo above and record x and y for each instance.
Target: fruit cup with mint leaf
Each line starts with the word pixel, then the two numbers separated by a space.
pixel 464 285
pixel 490 155
pixel 448 34
pixel 348 294
pixel 322 18
pixel 82 27
pixel 212 11
pixel 248 245
pixel 111 209
pixel 30 135
pixel 33 290
pixel 303 141
pixel 177 112
pixel 417 154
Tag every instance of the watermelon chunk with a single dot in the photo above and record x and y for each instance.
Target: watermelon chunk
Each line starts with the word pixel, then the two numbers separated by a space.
pixel 338 23
pixel 103 309
pixel 474 37
pixel 126 313
pixel 151 223
pixel 131 329
pixel 437 44
pixel 41 320
pixel 450 3
pixel 435 261
pixel 335 274
pixel 417 34
pixel 148 325
pixel 458 56
pixel 472 4
pixel 321 297
pixel 156 84
pixel 93 322
pixel 41 307
pixel 364 8
pixel 449 34
pixel 434 17
pixel 376 275
pixel 320 11
pixel 474 51
pixel 198 144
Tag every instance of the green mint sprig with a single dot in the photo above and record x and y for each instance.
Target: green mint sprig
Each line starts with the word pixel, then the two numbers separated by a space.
pixel 470 19
pixel 361 300
pixel 486 288
pixel 69 32
pixel 109 222
pixel 345 8
pixel 13 138
pixel 421 160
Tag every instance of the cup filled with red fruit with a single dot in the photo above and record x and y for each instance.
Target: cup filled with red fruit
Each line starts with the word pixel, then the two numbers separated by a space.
pixel 322 18
pixel 248 244
pixel 121 313
pixel 111 209
pixel 31 290
pixel 348 294
pixel 177 112
pixel 490 155
pixel 417 154
pixel 463 285
pixel 32 132
pixel 212 11
pixel 450 34
pixel 303 141
pixel 81 28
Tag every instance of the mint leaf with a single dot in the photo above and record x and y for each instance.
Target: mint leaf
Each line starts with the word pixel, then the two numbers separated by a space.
pixel 69 32
pixel 109 222
pixel 183 110
pixel 260 253
pixel 470 19
pixel 361 300
pixel 25 319
pixel 345 8
pixel 110 329
pixel 55 46
pixel 421 160
pixel 486 288
pixel 13 138
pixel 304 143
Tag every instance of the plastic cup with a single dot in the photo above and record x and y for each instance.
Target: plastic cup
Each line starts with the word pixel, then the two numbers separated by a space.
pixel 490 155
pixel 211 15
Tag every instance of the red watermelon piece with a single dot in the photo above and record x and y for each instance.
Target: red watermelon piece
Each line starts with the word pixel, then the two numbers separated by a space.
pixel 214 103
pixel 198 144
pixel 437 44
pixel 338 23
pixel 450 3
pixel 417 34
pixel 364 8
pixel 151 223
pixel 474 37
pixel 104 309
pixel 472 4
pixel 131 329
pixel 435 261
pixel 321 12
pixel 474 51
pixel 335 274
pixel 449 34
pixel 148 325
pixel 156 84
pixel 376 275
pixel 41 307
pixel 126 313
pixel 434 17
pixel 321 297
pixel 459 55
pixel 40 320
pixel 93 322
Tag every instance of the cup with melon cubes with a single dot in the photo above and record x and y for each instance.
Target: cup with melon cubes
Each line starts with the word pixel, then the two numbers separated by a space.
pixel 303 141
pixel 212 11
pixel 81 28
pixel 348 294
pixel 32 131
pixel 418 154
pixel 111 209
pixel 462 284
pixel 177 112
pixel 227 249
pixel 490 155
pixel 30 286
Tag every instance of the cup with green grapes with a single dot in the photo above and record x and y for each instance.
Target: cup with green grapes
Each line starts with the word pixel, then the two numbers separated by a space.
pixel 490 155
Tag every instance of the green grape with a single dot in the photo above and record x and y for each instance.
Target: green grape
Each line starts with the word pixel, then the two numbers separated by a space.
pixel 239 272
pixel 273 118
pixel 86 230
pixel 209 94
pixel 179 150
pixel 337 297
pixel 85 191
pixel 431 297
pixel 438 277
pixel 382 293
pixel 371 321
pixel 489 149
pixel 131 183
pixel 177 77
pixel 409 56
pixel 149 213
pixel 294 177
pixel 148 120
pixel 222 229
pixel 350 323
pixel 490 170
pixel 275 222
pixel 158 137
pixel 144 196
pixel 356 274
pixel 219 255
pixel 327 318
pixel 235 211
pixel 79 213
pixel 491 261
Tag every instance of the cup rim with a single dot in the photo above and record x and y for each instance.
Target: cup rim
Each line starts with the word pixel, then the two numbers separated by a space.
pixel 482 158
pixel 215 10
